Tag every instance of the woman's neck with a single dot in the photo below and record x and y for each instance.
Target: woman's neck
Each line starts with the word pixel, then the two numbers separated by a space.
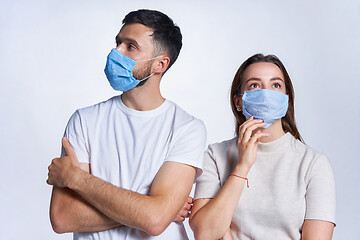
pixel 275 130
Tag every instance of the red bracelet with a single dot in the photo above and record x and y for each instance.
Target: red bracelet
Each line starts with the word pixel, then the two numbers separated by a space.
pixel 247 181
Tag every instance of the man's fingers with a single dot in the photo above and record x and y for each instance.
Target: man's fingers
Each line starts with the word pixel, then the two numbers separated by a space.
pixel 67 147
pixel 179 219
pixel 48 179
pixel 187 206
pixel 184 213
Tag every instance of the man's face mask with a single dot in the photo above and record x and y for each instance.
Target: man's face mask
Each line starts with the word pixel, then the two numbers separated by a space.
pixel 267 105
pixel 119 73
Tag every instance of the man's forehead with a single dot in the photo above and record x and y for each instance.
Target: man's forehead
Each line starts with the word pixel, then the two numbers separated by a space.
pixel 135 30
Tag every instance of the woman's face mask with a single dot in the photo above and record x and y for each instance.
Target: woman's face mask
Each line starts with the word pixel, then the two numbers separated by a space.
pixel 267 105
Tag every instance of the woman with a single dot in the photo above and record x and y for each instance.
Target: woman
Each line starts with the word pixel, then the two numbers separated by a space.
pixel 290 191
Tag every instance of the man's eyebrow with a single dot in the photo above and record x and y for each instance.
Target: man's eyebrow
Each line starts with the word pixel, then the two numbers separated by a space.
pixel 130 40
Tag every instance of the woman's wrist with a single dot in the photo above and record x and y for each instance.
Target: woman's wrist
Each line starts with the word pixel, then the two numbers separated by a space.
pixel 241 170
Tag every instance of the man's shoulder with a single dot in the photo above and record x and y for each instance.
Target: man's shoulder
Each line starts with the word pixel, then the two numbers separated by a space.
pixel 98 107
pixel 183 119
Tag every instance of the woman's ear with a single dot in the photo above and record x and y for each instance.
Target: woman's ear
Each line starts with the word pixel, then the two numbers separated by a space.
pixel 161 64
pixel 238 102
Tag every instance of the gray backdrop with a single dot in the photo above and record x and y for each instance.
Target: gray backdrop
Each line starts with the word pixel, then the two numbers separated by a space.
pixel 52 56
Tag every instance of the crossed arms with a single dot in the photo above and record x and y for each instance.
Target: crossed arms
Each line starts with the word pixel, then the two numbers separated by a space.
pixel 82 202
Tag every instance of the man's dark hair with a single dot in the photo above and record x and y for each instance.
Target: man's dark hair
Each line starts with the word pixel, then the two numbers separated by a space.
pixel 167 36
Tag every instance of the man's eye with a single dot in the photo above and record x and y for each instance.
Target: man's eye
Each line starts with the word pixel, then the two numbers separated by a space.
pixel 131 47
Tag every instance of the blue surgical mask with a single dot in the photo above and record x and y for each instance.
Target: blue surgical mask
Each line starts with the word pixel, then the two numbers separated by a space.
pixel 267 105
pixel 118 71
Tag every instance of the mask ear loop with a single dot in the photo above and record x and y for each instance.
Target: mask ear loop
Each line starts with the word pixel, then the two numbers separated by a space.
pixel 147 77
pixel 149 59
pixel 145 61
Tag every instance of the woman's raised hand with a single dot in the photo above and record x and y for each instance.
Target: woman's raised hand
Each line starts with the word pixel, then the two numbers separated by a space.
pixel 248 141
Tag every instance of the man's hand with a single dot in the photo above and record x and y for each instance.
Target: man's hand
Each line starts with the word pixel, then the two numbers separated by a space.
pixel 184 212
pixel 62 170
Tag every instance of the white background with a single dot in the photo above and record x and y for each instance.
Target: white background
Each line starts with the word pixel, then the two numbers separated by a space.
pixel 52 56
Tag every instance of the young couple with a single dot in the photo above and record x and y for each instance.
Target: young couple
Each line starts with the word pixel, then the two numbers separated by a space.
pixel 128 164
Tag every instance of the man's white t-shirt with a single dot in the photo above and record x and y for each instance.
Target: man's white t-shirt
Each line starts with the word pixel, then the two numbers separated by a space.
pixel 127 148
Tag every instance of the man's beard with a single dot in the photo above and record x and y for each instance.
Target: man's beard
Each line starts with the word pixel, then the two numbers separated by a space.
pixel 143 73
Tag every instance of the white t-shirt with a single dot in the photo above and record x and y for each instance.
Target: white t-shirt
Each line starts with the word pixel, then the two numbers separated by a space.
pixel 288 183
pixel 127 148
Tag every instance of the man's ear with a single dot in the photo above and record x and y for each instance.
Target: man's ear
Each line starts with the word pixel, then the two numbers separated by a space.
pixel 161 64
pixel 238 102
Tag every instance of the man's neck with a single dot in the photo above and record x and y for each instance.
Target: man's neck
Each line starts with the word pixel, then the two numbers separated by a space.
pixel 143 98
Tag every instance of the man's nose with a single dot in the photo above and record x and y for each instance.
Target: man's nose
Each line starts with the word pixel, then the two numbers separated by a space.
pixel 120 48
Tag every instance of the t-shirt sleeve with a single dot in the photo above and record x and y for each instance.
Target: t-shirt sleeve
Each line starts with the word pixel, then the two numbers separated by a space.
pixel 74 131
pixel 189 145
pixel 320 192
pixel 208 184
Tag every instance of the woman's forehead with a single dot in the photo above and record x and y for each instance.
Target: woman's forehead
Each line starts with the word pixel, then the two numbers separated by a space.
pixel 263 71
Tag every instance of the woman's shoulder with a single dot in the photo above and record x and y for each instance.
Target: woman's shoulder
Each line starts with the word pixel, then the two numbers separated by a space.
pixel 224 145
pixel 310 157
pixel 221 157
pixel 224 151
pixel 306 150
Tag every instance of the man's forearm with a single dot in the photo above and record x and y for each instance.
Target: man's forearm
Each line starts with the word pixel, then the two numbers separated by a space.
pixel 126 207
pixel 151 214
pixel 70 213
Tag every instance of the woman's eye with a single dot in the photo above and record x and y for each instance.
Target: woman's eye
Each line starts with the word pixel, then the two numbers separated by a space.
pixel 254 85
pixel 276 85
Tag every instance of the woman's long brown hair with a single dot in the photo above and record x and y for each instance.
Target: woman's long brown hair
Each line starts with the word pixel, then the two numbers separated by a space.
pixel 288 121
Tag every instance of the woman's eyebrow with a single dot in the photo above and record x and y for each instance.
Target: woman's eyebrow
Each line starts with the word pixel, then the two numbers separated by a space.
pixel 253 79
pixel 276 78
pixel 258 79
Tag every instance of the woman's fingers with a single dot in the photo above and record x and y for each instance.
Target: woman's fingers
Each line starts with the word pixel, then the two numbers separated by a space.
pixel 257 136
pixel 247 124
pixel 242 127
pixel 250 129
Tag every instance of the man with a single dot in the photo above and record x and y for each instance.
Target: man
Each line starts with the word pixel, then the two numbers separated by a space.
pixel 133 158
